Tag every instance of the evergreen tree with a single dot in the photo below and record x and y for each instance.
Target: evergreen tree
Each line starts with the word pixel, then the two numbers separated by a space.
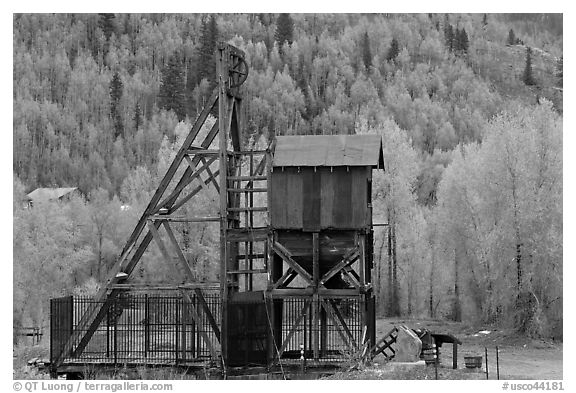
pixel 208 40
pixel 284 30
pixel 461 43
pixel 107 23
pixel 366 52
pixel 137 117
pixel 393 51
pixel 560 71
pixel 116 91
pixel 449 37
pixel 511 38
pixel 171 93
pixel 527 76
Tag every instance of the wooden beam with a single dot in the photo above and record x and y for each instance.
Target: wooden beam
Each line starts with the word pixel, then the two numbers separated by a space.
pixel 315 260
pixel 214 182
pixel 280 283
pixel 172 170
pixel 208 313
pixel 222 56
pixel 165 287
pixel 348 258
pixel 291 292
pixel 340 332
pixel 195 191
pixel 334 306
pixel 351 277
pixel 297 323
pixel 198 321
pixel 191 276
pixel 247 234
pixel 316 325
pixel 92 318
pixel 287 257
pixel 184 219
pixel 180 187
pixel 160 243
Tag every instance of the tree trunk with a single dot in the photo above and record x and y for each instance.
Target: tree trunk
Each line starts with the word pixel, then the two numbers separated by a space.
pixel 431 290
pixel 519 266
pixel 456 311
pixel 390 290
pixel 395 285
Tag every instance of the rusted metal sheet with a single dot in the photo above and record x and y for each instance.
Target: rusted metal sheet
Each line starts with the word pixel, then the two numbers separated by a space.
pixel 329 150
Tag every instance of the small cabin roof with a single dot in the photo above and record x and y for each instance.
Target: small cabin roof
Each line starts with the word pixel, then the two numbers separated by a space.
pixel 329 150
pixel 50 194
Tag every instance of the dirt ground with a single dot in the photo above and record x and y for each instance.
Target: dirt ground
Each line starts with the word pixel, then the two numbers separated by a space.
pixel 519 357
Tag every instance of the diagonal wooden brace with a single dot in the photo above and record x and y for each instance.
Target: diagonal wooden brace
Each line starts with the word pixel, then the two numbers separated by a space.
pixel 285 279
pixel 294 327
pixel 287 257
pixel 348 259
pixel 332 303
pixel 208 313
pixel 198 321
pixel 190 275
pixel 330 314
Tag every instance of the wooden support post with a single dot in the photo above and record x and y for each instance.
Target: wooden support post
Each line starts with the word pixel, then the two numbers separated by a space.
pixel 315 259
pixel 315 322
pixel 222 78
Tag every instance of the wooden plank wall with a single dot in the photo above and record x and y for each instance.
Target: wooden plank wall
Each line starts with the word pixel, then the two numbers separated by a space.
pixel 319 199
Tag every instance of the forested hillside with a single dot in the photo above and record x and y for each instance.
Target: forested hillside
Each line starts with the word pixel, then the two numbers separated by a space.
pixel 469 106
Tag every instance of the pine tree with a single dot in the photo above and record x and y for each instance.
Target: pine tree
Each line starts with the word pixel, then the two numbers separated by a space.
pixel 461 43
pixel 137 117
pixel 107 24
pixel 116 91
pixel 560 71
pixel 171 95
pixel 284 30
pixel 208 40
pixel 527 77
pixel 511 38
pixel 449 37
pixel 366 52
pixel 393 51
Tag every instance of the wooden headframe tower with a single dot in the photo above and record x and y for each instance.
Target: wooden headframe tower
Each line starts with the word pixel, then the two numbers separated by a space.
pixel 295 238
pixel 195 162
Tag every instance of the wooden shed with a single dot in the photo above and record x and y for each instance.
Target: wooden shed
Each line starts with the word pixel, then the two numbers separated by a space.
pixel 323 182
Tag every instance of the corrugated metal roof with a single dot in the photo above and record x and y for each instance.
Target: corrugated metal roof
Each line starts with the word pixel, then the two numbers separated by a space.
pixel 49 194
pixel 329 150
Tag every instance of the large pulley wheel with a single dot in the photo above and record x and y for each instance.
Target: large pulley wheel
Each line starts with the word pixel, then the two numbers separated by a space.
pixel 238 72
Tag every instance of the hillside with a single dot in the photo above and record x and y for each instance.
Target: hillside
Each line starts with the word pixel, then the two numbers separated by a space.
pixel 473 183
pixel 329 80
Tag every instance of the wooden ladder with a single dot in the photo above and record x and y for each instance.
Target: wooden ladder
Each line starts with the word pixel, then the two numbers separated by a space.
pixel 384 346
pixel 255 182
